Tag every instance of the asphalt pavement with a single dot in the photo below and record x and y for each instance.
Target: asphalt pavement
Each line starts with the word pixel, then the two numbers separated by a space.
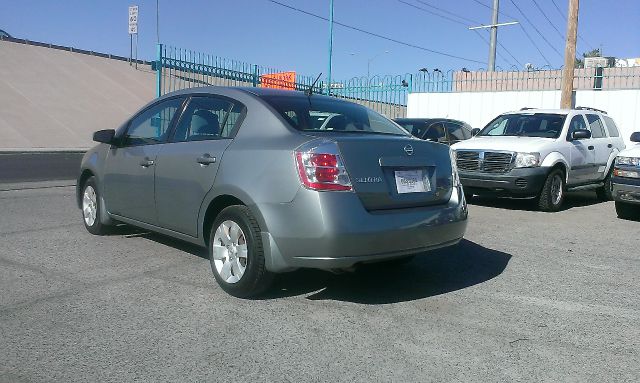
pixel 527 296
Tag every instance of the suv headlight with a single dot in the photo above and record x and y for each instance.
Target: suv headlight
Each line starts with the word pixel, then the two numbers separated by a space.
pixel 527 160
pixel 629 161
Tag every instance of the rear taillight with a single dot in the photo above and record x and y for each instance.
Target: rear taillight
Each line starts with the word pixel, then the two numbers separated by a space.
pixel 321 168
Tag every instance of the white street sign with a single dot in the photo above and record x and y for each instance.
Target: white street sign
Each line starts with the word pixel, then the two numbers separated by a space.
pixel 133 19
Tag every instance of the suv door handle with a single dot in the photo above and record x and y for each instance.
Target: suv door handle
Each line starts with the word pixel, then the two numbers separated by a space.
pixel 590 147
pixel 610 146
pixel 206 159
pixel 146 162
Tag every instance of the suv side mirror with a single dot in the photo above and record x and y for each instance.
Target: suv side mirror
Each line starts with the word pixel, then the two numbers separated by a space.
pixel 475 131
pixel 106 136
pixel 635 137
pixel 580 134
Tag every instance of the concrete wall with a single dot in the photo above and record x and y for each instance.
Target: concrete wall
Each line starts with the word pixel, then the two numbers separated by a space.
pixel 53 99
pixel 478 108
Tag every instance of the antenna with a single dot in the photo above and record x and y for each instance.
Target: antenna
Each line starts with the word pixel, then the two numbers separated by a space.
pixel 309 91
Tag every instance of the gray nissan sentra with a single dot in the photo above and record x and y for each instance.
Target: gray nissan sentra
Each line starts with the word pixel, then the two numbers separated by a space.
pixel 271 181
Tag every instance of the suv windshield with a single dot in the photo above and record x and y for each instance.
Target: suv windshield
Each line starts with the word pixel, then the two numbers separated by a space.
pixel 547 125
pixel 315 114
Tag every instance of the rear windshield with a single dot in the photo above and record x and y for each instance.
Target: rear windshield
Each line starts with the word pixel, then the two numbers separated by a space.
pixel 316 114
pixel 547 125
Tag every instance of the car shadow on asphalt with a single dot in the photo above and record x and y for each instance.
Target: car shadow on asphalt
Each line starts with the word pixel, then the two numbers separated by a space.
pixel 571 200
pixel 427 275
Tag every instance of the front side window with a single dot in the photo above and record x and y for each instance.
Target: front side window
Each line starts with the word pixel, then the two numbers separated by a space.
pixel 416 129
pixel 597 129
pixel 457 132
pixel 436 133
pixel 548 125
pixel 208 118
pixel 611 125
pixel 576 123
pixel 323 115
pixel 152 125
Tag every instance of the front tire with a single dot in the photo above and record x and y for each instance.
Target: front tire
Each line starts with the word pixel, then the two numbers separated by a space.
pixel 91 208
pixel 236 253
pixel 552 194
pixel 627 210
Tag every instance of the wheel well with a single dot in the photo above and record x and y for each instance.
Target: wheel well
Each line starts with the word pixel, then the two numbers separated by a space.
pixel 86 174
pixel 560 166
pixel 215 207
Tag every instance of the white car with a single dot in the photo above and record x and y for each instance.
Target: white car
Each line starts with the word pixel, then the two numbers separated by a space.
pixel 540 153
pixel 626 180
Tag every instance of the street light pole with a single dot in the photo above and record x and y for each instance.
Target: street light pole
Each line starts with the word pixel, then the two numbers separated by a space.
pixel 330 46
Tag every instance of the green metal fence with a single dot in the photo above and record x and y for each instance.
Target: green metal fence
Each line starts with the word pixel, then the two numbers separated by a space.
pixel 180 68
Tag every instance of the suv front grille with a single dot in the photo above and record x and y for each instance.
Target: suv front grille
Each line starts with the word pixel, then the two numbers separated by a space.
pixel 489 162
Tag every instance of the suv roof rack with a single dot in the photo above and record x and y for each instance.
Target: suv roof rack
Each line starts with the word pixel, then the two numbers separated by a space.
pixel 526 108
pixel 589 108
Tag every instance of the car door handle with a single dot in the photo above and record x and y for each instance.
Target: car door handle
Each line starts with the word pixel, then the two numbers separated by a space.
pixel 591 147
pixel 610 146
pixel 206 159
pixel 146 163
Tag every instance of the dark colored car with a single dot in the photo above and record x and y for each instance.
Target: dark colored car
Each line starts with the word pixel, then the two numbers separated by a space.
pixel 442 130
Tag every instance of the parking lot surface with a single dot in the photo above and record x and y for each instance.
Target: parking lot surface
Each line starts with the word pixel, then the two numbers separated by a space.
pixel 527 296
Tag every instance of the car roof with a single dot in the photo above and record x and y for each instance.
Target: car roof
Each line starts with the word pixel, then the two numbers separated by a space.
pixel 426 120
pixel 259 92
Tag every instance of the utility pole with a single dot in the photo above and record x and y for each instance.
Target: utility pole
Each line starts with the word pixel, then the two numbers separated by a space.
pixel 494 37
pixel 494 34
pixel 566 98
pixel 330 46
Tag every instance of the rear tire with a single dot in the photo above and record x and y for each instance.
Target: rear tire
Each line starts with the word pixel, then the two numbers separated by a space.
pixel 552 194
pixel 605 193
pixel 627 210
pixel 236 253
pixel 92 208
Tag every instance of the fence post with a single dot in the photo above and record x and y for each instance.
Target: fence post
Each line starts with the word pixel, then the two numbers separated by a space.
pixel 255 76
pixel 159 72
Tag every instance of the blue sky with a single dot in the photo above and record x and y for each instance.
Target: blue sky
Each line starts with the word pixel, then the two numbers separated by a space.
pixel 261 32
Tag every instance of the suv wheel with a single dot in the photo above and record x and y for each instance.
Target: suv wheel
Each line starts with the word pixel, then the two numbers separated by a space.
pixel 605 193
pixel 552 194
pixel 91 212
pixel 236 253
pixel 627 210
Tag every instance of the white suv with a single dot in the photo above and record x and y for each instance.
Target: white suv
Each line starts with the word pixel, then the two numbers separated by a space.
pixel 540 153
pixel 626 180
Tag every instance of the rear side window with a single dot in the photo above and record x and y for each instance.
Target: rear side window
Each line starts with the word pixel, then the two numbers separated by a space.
pixel 320 114
pixel 597 129
pixel 611 125
pixel 152 125
pixel 207 118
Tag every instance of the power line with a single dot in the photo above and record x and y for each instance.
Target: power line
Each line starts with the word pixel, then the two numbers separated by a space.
pixel 459 22
pixel 448 12
pixel 536 29
pixel 545 16
pixel 534 44
pixel 377 35
pixel 565 19
pixel 490 7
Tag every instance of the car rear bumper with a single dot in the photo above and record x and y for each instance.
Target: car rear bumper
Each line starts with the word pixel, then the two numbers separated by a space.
pixel 333 230
pixel 626 190
pixel 525 182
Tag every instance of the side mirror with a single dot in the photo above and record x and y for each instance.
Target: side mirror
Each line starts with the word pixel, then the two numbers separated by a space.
pixel 580 134
pixel 475 131
pixel 635 137
pixel 106 136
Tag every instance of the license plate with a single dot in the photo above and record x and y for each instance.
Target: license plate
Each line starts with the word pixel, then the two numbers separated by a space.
pixel 412 181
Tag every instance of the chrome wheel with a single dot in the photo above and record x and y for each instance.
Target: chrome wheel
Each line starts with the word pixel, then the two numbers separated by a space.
pixel 229 251
pixel 556 189
pixel 89 206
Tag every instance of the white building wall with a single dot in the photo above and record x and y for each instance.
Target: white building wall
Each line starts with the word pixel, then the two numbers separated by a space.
pixel 478 108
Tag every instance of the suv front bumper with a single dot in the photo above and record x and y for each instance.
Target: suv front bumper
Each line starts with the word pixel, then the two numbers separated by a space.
pixel 522 182
pixel 626 190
